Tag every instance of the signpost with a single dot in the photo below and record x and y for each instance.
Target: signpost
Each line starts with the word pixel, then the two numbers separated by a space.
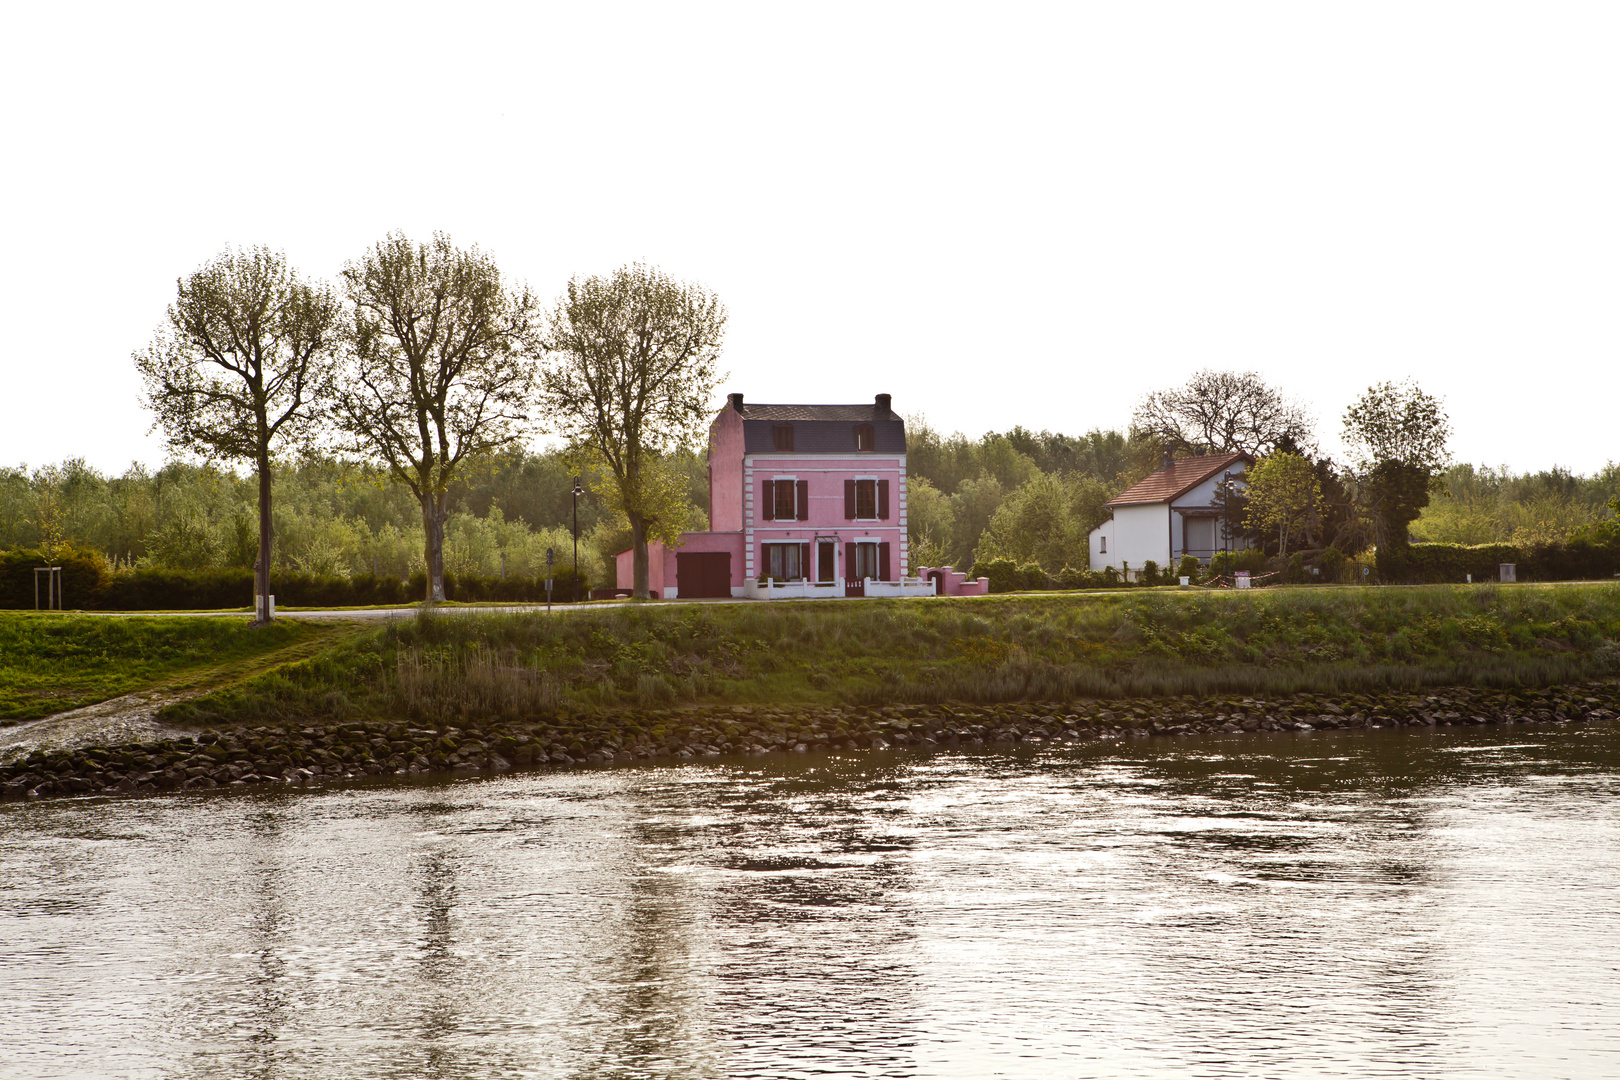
pixel 551 558
pixel 53 587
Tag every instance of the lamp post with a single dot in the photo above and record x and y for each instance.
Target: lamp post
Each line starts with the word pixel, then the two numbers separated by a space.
pixel 1226 524
pixel 578 491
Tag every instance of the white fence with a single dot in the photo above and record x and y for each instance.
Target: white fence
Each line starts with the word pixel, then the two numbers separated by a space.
pixel 771 589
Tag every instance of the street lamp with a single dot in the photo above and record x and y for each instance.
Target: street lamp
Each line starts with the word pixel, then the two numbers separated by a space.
pixel 1226 525
pixel 578 491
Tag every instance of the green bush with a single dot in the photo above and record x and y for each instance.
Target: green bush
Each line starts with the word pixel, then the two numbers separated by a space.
pixel 1003 575
pixel 89 584
pixel 1150 573
pixel 1189 567
pixel 1033 576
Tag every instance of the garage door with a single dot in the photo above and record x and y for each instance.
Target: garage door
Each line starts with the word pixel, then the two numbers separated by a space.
pixel 702 573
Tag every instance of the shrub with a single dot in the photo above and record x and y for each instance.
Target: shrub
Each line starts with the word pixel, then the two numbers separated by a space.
pixel 1189 567
pixel 1003 575
pixel 1070 578
pixel 1032 576
pixel 1150 573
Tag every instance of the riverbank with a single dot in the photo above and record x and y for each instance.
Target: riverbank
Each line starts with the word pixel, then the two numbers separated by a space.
pixel 451 669
pixel 282 756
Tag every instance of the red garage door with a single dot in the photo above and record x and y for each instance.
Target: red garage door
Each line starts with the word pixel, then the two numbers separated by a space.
pixel 702 573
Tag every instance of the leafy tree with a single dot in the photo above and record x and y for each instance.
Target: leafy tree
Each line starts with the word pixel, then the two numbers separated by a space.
pixel 1398 434
pixel 1398 423
pixel 1284 495
pixel 1047 520
pixel 972 506
pixel 441 369
pixel 634 368
pixel 242 365
pixel 929 523
pixel 1221 412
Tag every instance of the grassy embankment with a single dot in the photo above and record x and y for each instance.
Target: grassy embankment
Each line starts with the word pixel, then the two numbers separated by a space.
pixel 482 668
pixel 50 663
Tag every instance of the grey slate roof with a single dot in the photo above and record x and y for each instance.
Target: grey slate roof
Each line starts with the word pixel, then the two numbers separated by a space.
pixel 821 429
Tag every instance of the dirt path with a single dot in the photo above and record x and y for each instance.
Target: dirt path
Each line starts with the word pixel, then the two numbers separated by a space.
pixel 118 720
pixel 131 717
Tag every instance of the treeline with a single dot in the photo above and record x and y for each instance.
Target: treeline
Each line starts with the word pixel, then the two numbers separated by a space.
pixel 1028 497
pixel 1023 502
pixel 334 521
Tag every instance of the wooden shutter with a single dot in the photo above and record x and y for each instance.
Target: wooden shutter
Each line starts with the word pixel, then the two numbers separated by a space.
pixel 883 500
pixel 849 560
pixel 804 563
pixel 883 559
pixel 801 502
pixel 849 500
pixel 770 501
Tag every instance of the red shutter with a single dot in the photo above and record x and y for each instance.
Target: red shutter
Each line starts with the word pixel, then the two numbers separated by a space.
pixel 802 503
pixel 849 560
pixel 883 500
pixel 849 500
pixel 883 560
pixel 770 501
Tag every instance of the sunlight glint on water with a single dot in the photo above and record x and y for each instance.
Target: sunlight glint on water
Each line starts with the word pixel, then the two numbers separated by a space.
pixel 1378 904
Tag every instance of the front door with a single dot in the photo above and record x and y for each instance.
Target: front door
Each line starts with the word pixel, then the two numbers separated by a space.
pixel 826 556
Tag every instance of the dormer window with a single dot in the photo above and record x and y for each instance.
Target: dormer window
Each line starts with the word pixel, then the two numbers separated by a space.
pixel 864 439
pixel 784 436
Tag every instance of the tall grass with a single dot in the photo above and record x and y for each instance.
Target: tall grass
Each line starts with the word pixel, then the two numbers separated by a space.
pixel 461 665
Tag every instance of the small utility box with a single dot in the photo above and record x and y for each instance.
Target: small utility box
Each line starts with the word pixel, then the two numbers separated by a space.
pixel 1241 579
pixel 1508 571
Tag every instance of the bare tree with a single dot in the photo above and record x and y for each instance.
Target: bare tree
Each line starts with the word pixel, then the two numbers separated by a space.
pixel 1223 411
pixel 440 370
pixel 243 362
pixel 633 373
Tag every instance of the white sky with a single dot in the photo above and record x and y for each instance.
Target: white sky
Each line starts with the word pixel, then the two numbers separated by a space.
pixel 999 214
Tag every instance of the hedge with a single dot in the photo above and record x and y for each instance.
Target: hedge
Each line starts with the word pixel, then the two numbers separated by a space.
pixel 1575 560
pixel 89 584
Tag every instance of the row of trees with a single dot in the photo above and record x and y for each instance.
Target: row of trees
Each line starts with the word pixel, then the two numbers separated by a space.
pixel 1022 496
pixel 332 518
pixel 426 360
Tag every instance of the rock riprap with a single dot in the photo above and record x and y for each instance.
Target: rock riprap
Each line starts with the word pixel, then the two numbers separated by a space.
pixel 279 755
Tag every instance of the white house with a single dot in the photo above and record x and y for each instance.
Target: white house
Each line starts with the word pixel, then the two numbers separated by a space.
pixel 1170 514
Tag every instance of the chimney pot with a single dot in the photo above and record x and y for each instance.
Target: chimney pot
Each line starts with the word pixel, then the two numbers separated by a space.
pixel 883 403
pixel 735 400
pixel 1168 460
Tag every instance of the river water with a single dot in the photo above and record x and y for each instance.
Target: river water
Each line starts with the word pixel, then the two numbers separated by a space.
pixel 1389 904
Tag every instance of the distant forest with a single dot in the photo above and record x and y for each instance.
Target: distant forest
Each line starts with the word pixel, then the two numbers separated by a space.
pixel 1029 496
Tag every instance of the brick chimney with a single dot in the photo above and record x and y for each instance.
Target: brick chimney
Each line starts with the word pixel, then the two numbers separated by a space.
pixel 883 404
pixel 735 401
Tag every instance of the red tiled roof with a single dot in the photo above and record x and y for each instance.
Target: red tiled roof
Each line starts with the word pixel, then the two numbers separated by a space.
pixel 1182 476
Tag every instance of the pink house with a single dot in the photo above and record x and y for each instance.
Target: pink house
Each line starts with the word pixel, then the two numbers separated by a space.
pixel 805 501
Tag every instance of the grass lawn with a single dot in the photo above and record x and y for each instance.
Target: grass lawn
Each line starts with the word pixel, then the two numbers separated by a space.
pixel 51 662
pixel 452 666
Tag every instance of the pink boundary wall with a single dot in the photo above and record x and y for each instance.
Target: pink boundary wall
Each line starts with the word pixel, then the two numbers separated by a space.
pixel 661 560
pixel 952 582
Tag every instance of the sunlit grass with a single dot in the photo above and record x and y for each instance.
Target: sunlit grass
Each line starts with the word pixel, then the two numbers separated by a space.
pixel 1051 647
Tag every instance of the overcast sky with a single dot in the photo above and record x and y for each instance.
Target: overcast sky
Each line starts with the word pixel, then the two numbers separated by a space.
pixel 1000 214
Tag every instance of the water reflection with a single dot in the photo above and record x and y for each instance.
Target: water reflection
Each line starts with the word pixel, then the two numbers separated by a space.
pixel 1380 904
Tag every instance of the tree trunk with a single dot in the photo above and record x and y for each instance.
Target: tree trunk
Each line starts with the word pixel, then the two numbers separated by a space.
pixel 261 571
pixel 638 554
pixel 433 552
